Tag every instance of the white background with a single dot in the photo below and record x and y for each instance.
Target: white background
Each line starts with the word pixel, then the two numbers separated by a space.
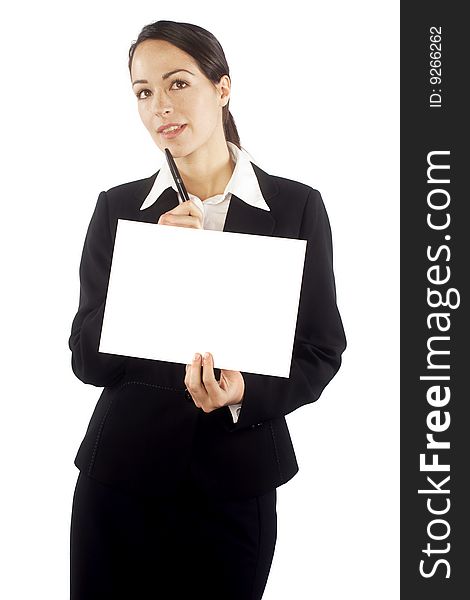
pixel 315 96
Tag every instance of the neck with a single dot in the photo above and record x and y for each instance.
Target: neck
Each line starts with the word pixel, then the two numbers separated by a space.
pixel 207 171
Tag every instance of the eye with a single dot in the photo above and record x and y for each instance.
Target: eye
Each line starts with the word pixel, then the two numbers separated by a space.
pixel 179 81
pixel 139 94
pixel 181 85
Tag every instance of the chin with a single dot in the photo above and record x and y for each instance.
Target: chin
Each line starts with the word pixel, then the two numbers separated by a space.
pixel 178 151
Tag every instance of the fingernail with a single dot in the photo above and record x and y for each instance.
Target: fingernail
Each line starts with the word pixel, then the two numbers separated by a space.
pixel 196 356
pixel 206 355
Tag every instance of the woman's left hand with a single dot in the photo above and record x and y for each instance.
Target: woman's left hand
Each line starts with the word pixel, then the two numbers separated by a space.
pixel 208 393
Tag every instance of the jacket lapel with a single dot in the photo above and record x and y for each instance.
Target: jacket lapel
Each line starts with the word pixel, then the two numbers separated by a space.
pixel 244 218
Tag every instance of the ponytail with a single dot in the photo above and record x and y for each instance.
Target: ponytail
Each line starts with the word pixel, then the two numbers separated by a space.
pixel 230 129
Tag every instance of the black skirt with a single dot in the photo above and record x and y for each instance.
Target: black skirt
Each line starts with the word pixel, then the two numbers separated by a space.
pixel 136 547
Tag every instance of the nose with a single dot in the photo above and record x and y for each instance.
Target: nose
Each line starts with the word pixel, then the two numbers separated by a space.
pixel 161 104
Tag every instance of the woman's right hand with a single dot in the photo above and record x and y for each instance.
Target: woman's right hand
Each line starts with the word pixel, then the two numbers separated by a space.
pixel 186 214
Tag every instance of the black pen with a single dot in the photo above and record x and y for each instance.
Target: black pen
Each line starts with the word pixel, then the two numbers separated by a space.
pixel 176 176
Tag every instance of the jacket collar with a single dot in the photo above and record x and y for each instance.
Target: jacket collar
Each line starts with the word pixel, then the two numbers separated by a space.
pixel 241 216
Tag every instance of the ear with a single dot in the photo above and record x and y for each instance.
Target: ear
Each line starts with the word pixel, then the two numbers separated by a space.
pixel 223 88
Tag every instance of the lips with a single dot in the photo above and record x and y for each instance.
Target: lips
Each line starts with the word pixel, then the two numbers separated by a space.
pixel 168 125
pixel 172 133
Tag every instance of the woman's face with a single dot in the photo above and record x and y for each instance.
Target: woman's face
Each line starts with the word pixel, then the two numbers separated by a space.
pixel 171 89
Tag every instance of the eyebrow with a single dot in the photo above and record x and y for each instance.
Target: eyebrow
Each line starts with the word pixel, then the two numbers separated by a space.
pixel 164 76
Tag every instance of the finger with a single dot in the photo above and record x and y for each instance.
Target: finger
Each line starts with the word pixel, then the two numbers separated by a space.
pixel 188 208
pixel 180 221
pixel 195 385
pixel 228 371
pixel 189 386
pixel 215 396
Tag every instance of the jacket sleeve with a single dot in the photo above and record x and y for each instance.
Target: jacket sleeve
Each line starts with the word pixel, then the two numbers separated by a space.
pixel 89 365
pixel 319 337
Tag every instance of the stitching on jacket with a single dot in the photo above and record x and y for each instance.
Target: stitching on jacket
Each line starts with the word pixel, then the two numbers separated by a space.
pixel 100 428
pixel 276 449
pixel 303 215
pixel 98 436
pixel 154 385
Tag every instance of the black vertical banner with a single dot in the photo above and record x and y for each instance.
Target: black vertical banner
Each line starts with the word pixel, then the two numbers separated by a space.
pixel 435 316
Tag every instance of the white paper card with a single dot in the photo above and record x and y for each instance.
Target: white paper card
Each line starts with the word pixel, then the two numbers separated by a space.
pixel 174 291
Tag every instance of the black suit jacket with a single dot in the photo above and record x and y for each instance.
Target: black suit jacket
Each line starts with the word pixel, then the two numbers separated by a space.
pixel 144 435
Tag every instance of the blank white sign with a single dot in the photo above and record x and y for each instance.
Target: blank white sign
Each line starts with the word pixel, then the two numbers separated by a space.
pixel 174 291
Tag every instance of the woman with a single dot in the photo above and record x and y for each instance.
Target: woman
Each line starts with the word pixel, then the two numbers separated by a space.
pixel 180 463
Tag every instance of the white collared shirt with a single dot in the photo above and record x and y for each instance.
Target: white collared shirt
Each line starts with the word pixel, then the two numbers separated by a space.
pixel 243 183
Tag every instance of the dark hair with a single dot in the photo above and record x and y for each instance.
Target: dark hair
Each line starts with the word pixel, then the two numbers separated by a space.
pixel 206 51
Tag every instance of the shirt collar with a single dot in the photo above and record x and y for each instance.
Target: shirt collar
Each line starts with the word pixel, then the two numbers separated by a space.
pixel 243 183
